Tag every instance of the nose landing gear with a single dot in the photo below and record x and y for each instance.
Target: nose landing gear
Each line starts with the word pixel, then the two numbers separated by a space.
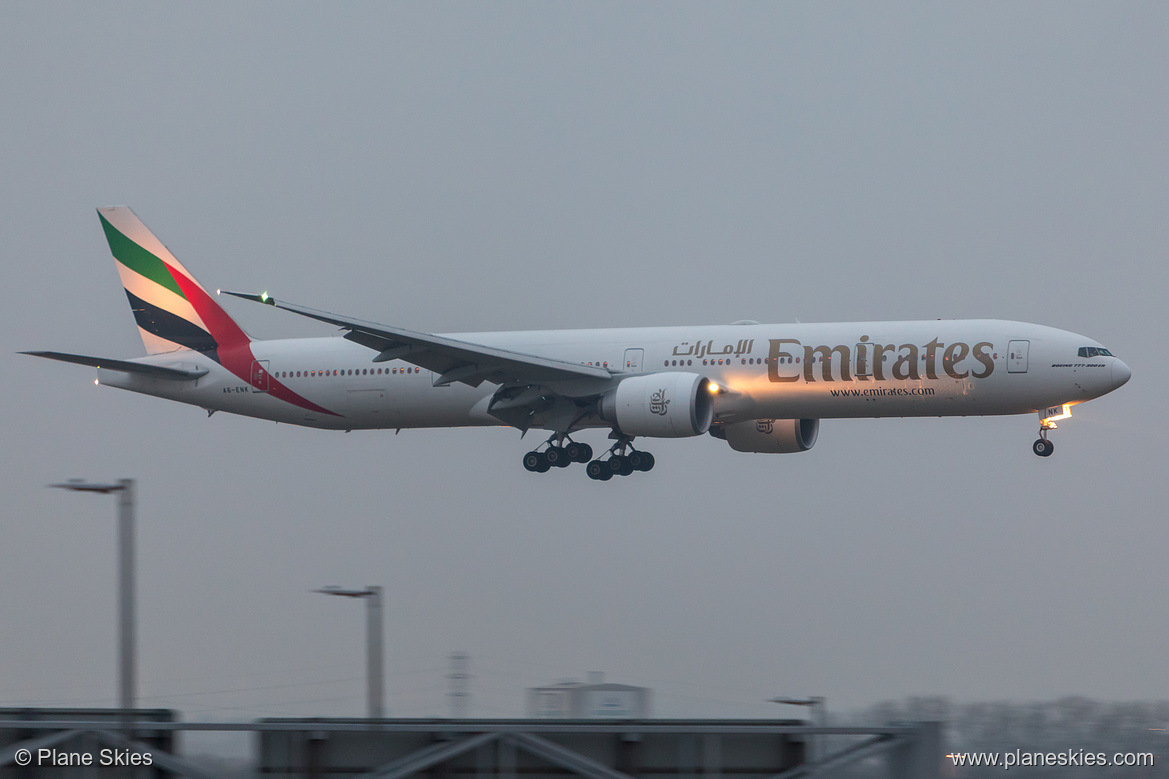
pixel 1042 446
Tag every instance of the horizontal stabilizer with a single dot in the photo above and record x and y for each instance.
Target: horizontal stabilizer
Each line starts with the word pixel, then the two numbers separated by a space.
pixel 154 371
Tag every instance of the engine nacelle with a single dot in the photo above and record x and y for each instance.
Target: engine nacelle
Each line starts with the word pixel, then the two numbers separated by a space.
pixel 660 405
pixel 770 436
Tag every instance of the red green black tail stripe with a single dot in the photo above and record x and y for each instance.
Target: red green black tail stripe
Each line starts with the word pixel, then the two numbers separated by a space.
pixel 174 312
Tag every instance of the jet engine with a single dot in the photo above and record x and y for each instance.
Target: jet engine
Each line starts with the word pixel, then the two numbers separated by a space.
pixel 770 436
pixel 660 405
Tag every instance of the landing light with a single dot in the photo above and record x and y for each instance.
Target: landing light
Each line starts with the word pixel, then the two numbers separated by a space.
pixel 714 388
pixel 1048 416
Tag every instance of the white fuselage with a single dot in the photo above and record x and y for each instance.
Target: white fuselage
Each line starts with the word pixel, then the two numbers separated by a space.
pixel 783 371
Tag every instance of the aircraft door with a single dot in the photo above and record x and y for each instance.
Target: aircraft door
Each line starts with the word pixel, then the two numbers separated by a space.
pixel 368 407
pixel 633 359
pixel 1017 356
pixel 259 378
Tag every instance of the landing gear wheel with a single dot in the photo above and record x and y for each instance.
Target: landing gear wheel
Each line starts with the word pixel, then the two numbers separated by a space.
pixel 1043 447
pixel 557 457
pixel 536 462
pixel 616 464
pixel 578 453
pixel 598 470
pixel 647 462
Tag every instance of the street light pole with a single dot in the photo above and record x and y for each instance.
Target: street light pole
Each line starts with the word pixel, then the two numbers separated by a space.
pixel 126 611
pixel 126 623
pixel 374 662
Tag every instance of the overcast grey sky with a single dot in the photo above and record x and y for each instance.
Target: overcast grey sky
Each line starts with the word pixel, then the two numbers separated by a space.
pixel 459 167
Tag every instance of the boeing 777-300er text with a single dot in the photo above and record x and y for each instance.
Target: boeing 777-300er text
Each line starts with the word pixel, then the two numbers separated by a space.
pixel 761 388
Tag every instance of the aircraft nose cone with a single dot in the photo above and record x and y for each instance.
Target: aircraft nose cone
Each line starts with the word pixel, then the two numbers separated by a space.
pixel 1120 373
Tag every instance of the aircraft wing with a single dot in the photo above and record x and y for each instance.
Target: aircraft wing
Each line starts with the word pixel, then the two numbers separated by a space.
pixel 452 359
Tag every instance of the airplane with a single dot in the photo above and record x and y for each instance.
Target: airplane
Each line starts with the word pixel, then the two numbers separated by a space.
pixel 762 388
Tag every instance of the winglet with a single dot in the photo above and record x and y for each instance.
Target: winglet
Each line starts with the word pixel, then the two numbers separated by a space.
pixel 263 297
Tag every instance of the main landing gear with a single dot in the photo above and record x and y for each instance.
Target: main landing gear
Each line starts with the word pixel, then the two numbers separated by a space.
pixel 623 460
pixel 561 453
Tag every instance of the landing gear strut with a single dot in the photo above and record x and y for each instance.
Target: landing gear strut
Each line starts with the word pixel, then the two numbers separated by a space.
pixel 562 452
pixel 623 460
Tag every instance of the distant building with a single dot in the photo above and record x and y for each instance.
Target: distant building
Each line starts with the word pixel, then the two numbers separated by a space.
pixel 593 699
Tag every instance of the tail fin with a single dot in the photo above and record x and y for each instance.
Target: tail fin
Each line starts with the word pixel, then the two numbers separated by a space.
pixel 172 310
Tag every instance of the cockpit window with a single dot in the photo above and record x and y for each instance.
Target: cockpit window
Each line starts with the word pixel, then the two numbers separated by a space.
pixel 1094 351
